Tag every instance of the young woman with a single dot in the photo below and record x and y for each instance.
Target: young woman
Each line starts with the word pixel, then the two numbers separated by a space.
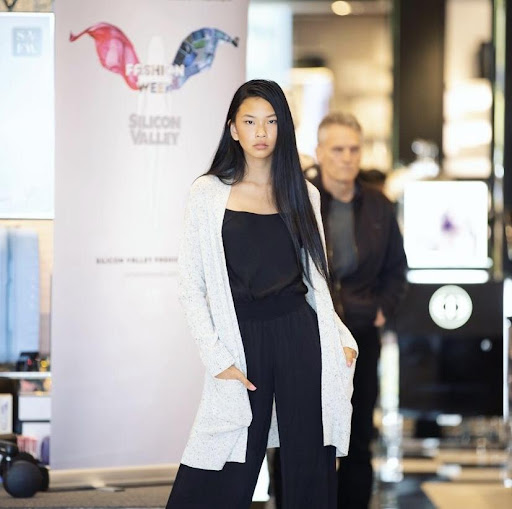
pixel 253 282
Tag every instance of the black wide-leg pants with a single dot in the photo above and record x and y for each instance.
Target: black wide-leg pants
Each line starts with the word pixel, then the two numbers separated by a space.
pixel 282 349
pixel 355 475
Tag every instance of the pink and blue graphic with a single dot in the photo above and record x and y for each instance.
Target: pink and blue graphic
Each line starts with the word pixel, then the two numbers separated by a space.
pixel 114 49
pixel 117 53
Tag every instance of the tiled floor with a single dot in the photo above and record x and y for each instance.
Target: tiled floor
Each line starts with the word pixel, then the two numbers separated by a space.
pixel 404 495
pixel 449 479
pixel 411 493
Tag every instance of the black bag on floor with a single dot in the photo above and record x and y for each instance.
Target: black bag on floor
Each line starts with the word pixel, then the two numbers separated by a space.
pixel 22 475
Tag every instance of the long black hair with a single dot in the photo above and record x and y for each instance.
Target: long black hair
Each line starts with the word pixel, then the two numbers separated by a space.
pixel 289 188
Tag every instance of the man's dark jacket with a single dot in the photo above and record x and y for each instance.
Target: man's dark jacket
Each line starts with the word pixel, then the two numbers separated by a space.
pixel 380 277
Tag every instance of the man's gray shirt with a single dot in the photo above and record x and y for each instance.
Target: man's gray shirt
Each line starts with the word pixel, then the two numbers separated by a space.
pixel 343 255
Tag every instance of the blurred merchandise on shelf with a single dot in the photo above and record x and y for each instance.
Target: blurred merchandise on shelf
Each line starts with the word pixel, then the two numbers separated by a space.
pixel 28 361
pixel 3 292
pixel 6 411
pixel 27 444
pixel 19 293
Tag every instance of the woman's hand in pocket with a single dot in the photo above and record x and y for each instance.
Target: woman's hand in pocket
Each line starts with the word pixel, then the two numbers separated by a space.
pixel 350 355
pixel 233 373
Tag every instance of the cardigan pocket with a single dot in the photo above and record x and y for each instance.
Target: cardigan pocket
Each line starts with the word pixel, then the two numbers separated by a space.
pixel 224 406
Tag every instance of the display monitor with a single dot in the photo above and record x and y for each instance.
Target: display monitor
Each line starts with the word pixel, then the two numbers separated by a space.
pixel 446 224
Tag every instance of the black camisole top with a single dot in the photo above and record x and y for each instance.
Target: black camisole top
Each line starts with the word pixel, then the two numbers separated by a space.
pixel 260 257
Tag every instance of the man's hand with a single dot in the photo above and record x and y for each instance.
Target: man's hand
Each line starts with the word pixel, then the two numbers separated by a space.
pixel 350 355
pixel 380 319
pixel 233 373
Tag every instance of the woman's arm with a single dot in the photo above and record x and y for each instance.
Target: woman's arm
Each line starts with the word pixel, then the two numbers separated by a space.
pixel 346 338
pixel 193 294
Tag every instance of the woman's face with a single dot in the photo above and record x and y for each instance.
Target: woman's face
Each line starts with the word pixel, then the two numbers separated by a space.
pixel 255 128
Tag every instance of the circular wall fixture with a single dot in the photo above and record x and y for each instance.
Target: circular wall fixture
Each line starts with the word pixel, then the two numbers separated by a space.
pixel 450 307
pixel 341 8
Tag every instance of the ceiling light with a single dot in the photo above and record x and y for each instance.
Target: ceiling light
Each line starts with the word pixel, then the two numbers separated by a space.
pixel 341 8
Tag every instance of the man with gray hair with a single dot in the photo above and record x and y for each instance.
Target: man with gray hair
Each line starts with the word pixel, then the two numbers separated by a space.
pixel 367 264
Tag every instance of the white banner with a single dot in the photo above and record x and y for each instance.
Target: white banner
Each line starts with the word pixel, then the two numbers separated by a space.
pixel 26 115
pixel 142 90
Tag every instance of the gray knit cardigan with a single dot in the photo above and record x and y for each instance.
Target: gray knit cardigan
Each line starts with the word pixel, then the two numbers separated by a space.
pixel 219 433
